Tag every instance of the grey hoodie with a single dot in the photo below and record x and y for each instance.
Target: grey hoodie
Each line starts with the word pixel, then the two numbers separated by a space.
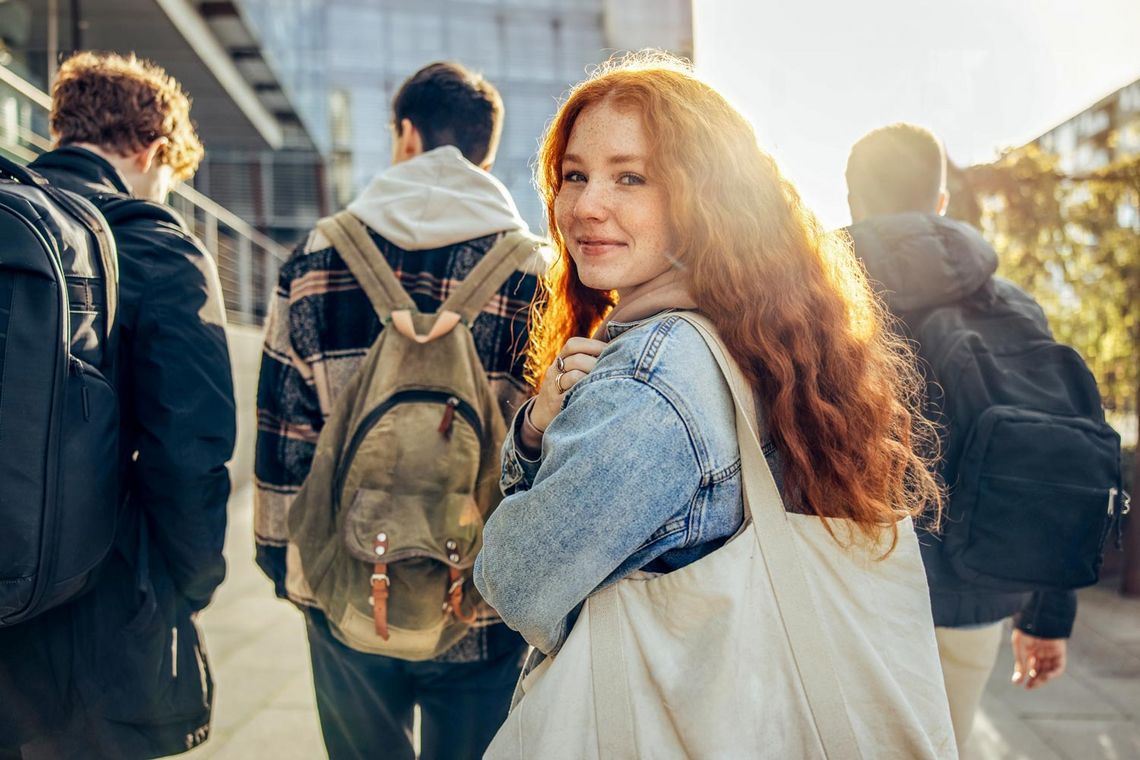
pixel 922 261
pixel 436 199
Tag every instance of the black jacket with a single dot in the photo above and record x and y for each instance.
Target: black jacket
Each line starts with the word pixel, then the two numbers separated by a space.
pixel 122 669
pixel 918 262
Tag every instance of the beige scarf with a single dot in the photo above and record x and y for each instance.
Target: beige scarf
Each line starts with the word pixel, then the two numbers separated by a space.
pixel 665 291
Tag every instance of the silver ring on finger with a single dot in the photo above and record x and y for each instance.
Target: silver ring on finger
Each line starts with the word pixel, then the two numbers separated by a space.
pixel 561 364
pixel 558 383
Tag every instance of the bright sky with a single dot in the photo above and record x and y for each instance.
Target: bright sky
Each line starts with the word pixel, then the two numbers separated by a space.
pixel 815 76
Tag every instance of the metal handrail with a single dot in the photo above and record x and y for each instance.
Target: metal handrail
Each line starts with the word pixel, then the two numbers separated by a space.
pixel 25 88
pixel 233 242
pixel 232 220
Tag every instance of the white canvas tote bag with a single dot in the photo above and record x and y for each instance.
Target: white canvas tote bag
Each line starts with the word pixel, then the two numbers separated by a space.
pixel 780 644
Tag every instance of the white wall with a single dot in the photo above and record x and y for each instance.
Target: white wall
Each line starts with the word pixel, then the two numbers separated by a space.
pixel 245 356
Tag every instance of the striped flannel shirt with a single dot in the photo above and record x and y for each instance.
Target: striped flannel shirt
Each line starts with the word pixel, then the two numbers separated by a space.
pixel 320 327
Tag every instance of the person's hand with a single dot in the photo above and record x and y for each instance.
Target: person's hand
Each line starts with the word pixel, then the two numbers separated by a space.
pixel 576 359
pixel 1036 661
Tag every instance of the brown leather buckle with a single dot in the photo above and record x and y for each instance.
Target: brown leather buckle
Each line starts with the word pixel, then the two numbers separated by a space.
pixel 454 604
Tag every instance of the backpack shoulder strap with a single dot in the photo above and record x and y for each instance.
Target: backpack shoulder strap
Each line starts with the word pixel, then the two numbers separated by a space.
pixel 90 216
pixel 511 250
pixel 109 259
pixel 121 210
pixel 351 240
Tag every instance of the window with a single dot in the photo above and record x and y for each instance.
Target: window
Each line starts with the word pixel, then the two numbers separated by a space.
pixel 415 39
pixel 530 48
pixel 354 36
pixel 474 42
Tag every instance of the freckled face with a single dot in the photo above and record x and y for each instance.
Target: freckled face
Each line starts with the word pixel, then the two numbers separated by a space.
pixel 612 213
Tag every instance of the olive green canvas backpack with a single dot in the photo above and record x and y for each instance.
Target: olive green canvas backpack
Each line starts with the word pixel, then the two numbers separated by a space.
pixel 406 470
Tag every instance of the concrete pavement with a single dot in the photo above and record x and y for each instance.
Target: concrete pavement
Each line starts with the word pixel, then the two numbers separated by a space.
pixel 1093 711
pixel 265 708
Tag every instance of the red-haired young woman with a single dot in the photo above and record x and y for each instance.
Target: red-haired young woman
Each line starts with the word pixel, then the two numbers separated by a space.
pixel 626 466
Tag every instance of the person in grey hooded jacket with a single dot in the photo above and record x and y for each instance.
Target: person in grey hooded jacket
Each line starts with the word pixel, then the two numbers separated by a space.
pixel 433 214
pixel 919 260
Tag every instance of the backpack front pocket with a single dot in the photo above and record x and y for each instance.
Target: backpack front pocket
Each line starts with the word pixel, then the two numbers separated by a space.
pixel 431 438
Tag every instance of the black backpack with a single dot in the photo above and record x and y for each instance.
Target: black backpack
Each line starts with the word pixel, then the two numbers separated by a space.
pixel 59 413
pixel 1032 468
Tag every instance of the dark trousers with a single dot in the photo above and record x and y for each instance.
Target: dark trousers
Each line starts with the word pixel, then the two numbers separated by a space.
pixel 365 701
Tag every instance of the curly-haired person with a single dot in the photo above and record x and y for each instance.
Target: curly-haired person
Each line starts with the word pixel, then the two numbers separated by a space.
pixel 121 671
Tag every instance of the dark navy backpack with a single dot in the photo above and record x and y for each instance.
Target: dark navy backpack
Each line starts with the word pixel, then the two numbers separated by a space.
pixel 1033 469
pixel 59 414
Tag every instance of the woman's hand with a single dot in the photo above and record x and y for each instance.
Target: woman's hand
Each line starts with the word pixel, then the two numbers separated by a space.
pixel 576 360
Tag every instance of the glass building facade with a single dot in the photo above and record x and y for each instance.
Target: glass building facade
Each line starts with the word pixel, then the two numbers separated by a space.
pixel 1100 134
pixel 341 62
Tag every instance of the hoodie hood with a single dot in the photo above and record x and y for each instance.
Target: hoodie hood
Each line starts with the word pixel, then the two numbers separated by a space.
pixel 922 261
pixel 436 199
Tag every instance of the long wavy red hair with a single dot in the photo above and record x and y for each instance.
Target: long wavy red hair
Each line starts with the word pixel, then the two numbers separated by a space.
pixel 840 391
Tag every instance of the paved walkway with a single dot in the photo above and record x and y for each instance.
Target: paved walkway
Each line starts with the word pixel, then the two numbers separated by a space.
pixel 265 705
pixel 1093 711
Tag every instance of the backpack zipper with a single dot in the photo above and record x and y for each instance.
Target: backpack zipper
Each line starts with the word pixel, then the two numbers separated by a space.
pixel 1119 505
pixel 448 417
pixel 82 388
pixel 453 403
pixel 50 529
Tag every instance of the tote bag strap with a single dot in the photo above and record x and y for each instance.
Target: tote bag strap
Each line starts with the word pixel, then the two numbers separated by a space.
pixel 613 704
pixel 811 650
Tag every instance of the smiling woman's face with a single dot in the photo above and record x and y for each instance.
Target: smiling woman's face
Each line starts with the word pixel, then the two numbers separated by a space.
pixel 612 213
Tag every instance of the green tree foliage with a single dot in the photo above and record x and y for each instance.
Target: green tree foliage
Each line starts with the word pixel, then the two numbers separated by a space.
pixel 1072 242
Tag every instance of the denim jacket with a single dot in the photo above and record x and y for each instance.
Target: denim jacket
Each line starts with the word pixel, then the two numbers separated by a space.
pixel 640 470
